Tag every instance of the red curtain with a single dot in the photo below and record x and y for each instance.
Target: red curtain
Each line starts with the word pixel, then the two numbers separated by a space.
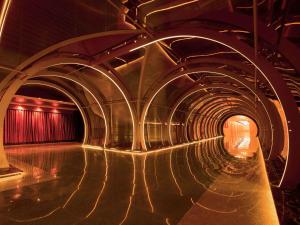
pixel 26 126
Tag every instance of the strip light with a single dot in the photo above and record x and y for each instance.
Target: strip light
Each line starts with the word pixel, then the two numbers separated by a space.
pixel 118 87
pixel 3 15
pixel 209 39
pixel 84 87
pixel 73 99
pixel 168 8
pixel 128 152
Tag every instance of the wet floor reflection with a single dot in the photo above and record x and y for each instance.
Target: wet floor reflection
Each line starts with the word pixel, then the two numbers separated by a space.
pixel 198 184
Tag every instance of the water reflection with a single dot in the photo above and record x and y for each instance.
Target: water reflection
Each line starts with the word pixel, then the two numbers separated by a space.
pixel 197 184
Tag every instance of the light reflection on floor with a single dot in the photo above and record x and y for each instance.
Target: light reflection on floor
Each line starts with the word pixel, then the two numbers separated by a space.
pixel 197 184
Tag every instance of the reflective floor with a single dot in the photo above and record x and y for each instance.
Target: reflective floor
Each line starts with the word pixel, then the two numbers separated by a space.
pixel 197 184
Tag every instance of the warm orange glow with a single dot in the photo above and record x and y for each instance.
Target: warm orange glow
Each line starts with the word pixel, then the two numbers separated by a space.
pixel 284 152
pixel 213 210
pixel 211 54
pixel 173 175
pixel 132 192
pixel 167 221
pixel 128 152
pixel 98 103
pixel 143 142
pixel 3 15
pixel 104 73
pixel 251 6
pixel 20 108
pixel 102 189
pixel 243 55
pixel 201 183
pixel 240 136
pixel 146 185
pixel 168 8
pixel 38 218
pixel 81 179
pixel 180 39
pixel 75 102
pixel 288 24
pixel 234 31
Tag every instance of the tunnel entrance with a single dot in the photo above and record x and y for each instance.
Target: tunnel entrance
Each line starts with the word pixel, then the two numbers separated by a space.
pixel 40 114
pixel 240 136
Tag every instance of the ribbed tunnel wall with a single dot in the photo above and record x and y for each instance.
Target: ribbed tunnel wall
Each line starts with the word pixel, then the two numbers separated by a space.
pixel 172 107
pixel 134 94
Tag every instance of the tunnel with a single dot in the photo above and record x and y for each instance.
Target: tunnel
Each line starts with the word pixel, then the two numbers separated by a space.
pixel 149 112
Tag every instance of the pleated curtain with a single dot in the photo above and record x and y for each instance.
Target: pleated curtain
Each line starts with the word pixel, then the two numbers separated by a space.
pixel 26 126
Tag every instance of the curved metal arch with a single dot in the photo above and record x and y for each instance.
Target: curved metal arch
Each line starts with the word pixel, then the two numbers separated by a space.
pixel 67 93
pixel 236 64
pixel 189 93
pixel 196 104
pixel 209 98
pixel 120 86
pixel 211 107
pixel 239 111
pixel 80 82
pixel 249 103
pixel 219 109
pixel 209 110
pixel 285 47
pixel 43 64
pixel 235 104
pixel 166 80
pixel 176 76
pixel 216 96
pixel 226 117
pixel 59 45
pixel 238 102
pixel 99 103
pixel 85 85
pixel 222 72
pixel 290 177
pixel 288 106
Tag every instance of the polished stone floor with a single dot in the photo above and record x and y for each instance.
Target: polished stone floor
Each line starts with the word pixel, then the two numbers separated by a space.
pixel 197 184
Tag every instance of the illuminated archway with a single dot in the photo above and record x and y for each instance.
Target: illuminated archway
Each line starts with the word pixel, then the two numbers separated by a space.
pixel 240 136
pixel 42 112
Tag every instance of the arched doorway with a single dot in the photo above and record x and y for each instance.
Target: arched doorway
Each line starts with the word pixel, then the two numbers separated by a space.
pixel 240 136
pixel 39 114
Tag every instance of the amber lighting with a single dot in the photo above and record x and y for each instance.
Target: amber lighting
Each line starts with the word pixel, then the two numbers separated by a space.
pixel 288 24
pixel 132 192
pixel 20 108
pixel 169 81
pixel 213 210
pixel 98 103
pixel 3 15
pixel 240 136
pixel 129 152
pixel 168 8
pixel 73 100
pixel 146 184
pixel 80 181
pixel 114 82
pixel 97 202
pixel 211 54
pixel 173 175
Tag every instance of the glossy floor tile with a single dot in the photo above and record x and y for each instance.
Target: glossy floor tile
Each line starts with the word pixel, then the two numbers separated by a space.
pixel 197 184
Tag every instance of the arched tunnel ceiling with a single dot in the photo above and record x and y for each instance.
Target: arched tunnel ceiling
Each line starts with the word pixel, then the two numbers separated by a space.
pixel 145 55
